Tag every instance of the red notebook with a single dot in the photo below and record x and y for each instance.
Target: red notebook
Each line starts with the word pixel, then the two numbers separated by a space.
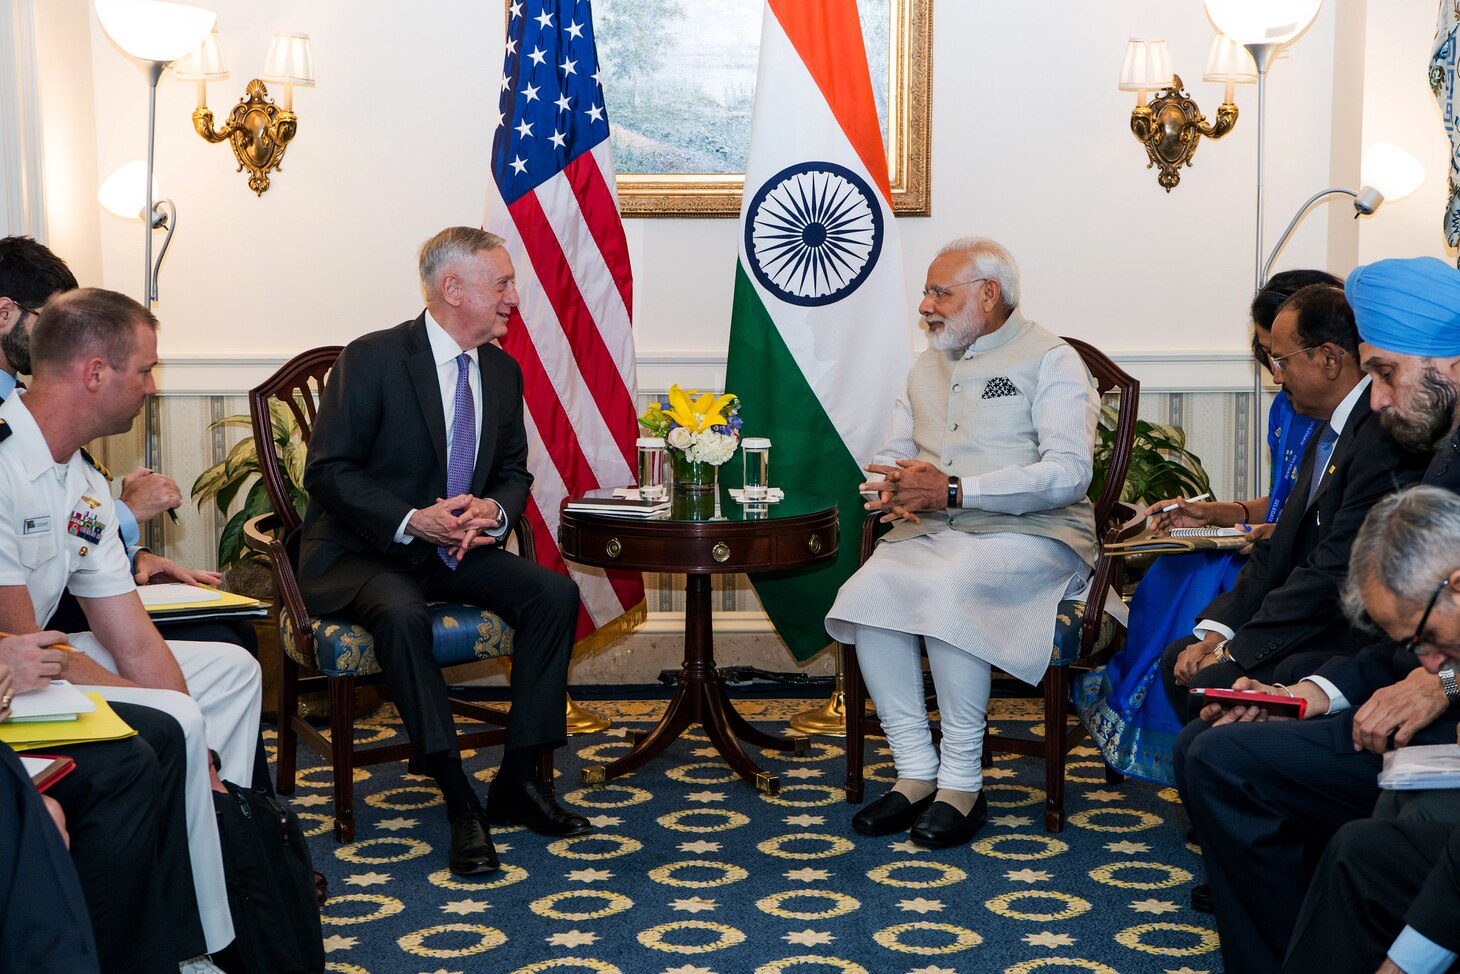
pixel 1293 707
pixel 46 769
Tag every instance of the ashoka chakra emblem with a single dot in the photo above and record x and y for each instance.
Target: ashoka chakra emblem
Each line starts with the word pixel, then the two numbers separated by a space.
pixel 813 232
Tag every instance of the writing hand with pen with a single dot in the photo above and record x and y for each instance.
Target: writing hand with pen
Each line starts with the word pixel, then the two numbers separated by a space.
pixel 148 493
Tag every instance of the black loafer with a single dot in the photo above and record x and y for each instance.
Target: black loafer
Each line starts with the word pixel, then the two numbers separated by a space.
pixel 1201 898
pixel 472 852
pixel 889 814
pixel 534 806
pixel 942 825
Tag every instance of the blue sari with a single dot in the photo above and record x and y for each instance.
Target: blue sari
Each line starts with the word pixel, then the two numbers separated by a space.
pixel 1123 704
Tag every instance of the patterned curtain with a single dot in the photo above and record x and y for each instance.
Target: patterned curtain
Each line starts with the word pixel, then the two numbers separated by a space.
pixel 1442 83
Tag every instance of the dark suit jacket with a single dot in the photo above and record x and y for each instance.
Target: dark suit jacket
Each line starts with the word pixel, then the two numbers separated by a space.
pixel 1385 662
pixel 379 449
pixel 1286 599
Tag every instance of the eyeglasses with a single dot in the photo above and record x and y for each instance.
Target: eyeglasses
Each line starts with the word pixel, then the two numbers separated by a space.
pixel 939 292
pixel 24 309
pixel 1275 362
pixel 1416 643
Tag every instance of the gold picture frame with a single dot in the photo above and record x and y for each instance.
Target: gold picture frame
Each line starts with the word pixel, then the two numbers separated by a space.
pixel 908 96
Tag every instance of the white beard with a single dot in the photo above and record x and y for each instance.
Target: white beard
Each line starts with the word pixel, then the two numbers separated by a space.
pixel 957 332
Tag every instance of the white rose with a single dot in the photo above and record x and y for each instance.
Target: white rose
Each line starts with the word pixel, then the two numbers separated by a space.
pixel 680 438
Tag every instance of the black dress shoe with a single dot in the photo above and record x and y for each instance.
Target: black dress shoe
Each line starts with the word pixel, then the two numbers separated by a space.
pixel 1201 898
pixel 534 806
pixel 890 813
pixel 472 852
pixel 942 825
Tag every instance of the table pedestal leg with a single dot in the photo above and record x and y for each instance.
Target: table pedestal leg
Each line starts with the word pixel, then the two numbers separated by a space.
pixel 699 698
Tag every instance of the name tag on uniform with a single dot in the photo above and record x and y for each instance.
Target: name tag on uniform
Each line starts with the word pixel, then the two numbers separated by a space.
pixel 85 524
pixel 36 525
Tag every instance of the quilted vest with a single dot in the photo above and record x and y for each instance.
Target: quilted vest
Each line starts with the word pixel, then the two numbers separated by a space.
pixel 966 435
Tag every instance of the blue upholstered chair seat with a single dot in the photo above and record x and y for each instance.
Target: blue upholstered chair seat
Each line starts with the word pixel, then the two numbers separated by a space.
pixel 459 634
pixel 1068 619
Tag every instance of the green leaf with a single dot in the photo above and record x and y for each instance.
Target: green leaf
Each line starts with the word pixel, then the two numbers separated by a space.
pixel 228 492
pixel 242 460
pixel 241 419
pixel 230 542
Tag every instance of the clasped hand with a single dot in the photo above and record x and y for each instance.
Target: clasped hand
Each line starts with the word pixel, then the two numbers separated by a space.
pixel 908 487
pixel 457 524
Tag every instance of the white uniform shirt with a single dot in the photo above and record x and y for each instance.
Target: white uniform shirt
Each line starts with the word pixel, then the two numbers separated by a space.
pixel 58 523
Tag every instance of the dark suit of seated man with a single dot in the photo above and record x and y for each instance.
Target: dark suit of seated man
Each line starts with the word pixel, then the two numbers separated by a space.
pixel 417 466
pixel 1286 600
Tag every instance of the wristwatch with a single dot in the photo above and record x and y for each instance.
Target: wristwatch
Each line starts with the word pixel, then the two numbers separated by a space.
pixel 1448 683
pixel 1222 653
pixel 954 486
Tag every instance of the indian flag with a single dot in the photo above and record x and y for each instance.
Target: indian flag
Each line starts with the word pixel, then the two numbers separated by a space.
pixel 819 346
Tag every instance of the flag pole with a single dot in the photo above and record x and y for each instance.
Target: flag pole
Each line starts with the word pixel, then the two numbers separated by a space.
pixel 829 719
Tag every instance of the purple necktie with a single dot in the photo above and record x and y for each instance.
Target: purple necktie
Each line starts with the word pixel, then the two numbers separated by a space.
pixel 463 441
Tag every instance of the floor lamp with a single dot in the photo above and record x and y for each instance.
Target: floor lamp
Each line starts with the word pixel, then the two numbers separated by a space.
pixel 1263 27
pixel 155 34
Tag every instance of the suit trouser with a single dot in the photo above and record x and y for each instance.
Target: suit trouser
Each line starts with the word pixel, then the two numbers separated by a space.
pixel 540 605
pixel 125 813
pixel 221 711
pixel 1370 874
pixel 1264 799
pixel 44 927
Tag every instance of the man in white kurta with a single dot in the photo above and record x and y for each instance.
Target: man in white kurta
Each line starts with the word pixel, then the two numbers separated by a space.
pixel 985 473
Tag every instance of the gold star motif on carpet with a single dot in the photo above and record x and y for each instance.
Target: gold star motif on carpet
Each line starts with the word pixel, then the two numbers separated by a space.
pixel 396 824
pixel 335 942
pixel 367 879
pixel 808 938
pixel 933 970
pixel 1011 821
pixel 1128 847
pixel 695 904
pixel 906 846
pixel 1048 939
pixel 1027 875
pixel 699 846
pixel 805 821
pixel 604 821
pixel 572 938
pixel 1104 795
pixel 999 773
pixel 705 796
pixel 800 773
pixel 920 905
pixel 1186 970
pixel 689 969
pixel 705 752
pixel 308 801
pixel 1153 906
pixel 465 907
pixel 589 875
pixel 808 875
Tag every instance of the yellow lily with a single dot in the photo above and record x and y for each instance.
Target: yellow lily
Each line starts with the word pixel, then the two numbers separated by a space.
pixel 699 415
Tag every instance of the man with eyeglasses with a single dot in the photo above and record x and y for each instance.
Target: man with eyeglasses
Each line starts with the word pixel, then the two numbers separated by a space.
pixel 1386 895
pixel 1286 598
pixel 985 471
pixel 1264 796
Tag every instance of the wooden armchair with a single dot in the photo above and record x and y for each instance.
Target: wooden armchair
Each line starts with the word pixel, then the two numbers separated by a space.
pixel 334 653
pixel 1080 635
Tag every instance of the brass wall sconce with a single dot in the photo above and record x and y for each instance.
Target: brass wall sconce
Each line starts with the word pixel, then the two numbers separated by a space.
pixel 1171 125
pixel 257 129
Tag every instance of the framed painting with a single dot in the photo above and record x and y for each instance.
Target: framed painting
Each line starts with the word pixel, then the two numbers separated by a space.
pixel 679 85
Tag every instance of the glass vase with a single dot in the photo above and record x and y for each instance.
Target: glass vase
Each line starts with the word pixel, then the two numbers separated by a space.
pixel 693 475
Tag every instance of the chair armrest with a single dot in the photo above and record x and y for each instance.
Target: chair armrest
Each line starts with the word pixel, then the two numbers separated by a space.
pixel 260 534
pixel 526 543
pixel 872 529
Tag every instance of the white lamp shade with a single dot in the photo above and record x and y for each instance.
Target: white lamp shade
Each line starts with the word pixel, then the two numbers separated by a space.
pixel 125 191
pixel 151 30
pixel 1262 21
pixel 1229 61
pixel 1147 65
pixel 204 63
pixel 1391 170
pixel 290 61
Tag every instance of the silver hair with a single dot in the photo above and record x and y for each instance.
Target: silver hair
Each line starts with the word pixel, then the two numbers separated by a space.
pixel 1409 541
pixel 989 259
pixel 448 247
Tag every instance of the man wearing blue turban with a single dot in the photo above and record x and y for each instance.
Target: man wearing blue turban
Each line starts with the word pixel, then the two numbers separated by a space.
pixel 1266 796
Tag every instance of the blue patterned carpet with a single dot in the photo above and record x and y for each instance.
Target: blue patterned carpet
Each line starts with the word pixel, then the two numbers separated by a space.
pixel 690 871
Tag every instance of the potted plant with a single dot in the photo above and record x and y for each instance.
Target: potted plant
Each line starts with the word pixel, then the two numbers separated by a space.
pixel 1160 465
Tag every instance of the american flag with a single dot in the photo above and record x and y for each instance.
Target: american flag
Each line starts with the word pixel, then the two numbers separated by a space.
pixel 553 198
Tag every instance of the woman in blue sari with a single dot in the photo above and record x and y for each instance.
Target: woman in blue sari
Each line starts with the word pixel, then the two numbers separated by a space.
pixel 1122 704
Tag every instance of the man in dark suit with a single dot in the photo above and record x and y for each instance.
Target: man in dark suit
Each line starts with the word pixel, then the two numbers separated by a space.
pixel 1286 599
pixel 1391 886
pixel 417 466
pixel 1266 796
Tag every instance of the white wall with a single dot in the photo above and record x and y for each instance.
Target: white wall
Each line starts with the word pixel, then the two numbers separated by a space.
pixel 1030 145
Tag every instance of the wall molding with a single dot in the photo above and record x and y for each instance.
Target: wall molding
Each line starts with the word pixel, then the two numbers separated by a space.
pixel 1196 371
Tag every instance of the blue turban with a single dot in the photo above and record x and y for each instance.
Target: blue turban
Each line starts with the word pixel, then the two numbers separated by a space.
pixel 1409 306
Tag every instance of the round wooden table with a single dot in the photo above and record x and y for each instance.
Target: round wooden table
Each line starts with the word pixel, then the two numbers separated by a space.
pixel 704 533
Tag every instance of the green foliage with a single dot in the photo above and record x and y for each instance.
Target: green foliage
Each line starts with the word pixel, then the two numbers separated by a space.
pixel 1161 466
pixel 226 479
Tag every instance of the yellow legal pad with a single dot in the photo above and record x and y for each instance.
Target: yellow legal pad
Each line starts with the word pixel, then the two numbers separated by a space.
pixel 103 724
pixel 175 597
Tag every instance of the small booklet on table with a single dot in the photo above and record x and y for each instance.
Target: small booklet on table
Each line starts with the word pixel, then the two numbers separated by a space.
pixel 619 502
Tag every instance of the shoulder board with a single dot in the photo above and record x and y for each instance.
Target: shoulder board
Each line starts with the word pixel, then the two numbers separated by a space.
pixel 100 467
pixel 4 431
